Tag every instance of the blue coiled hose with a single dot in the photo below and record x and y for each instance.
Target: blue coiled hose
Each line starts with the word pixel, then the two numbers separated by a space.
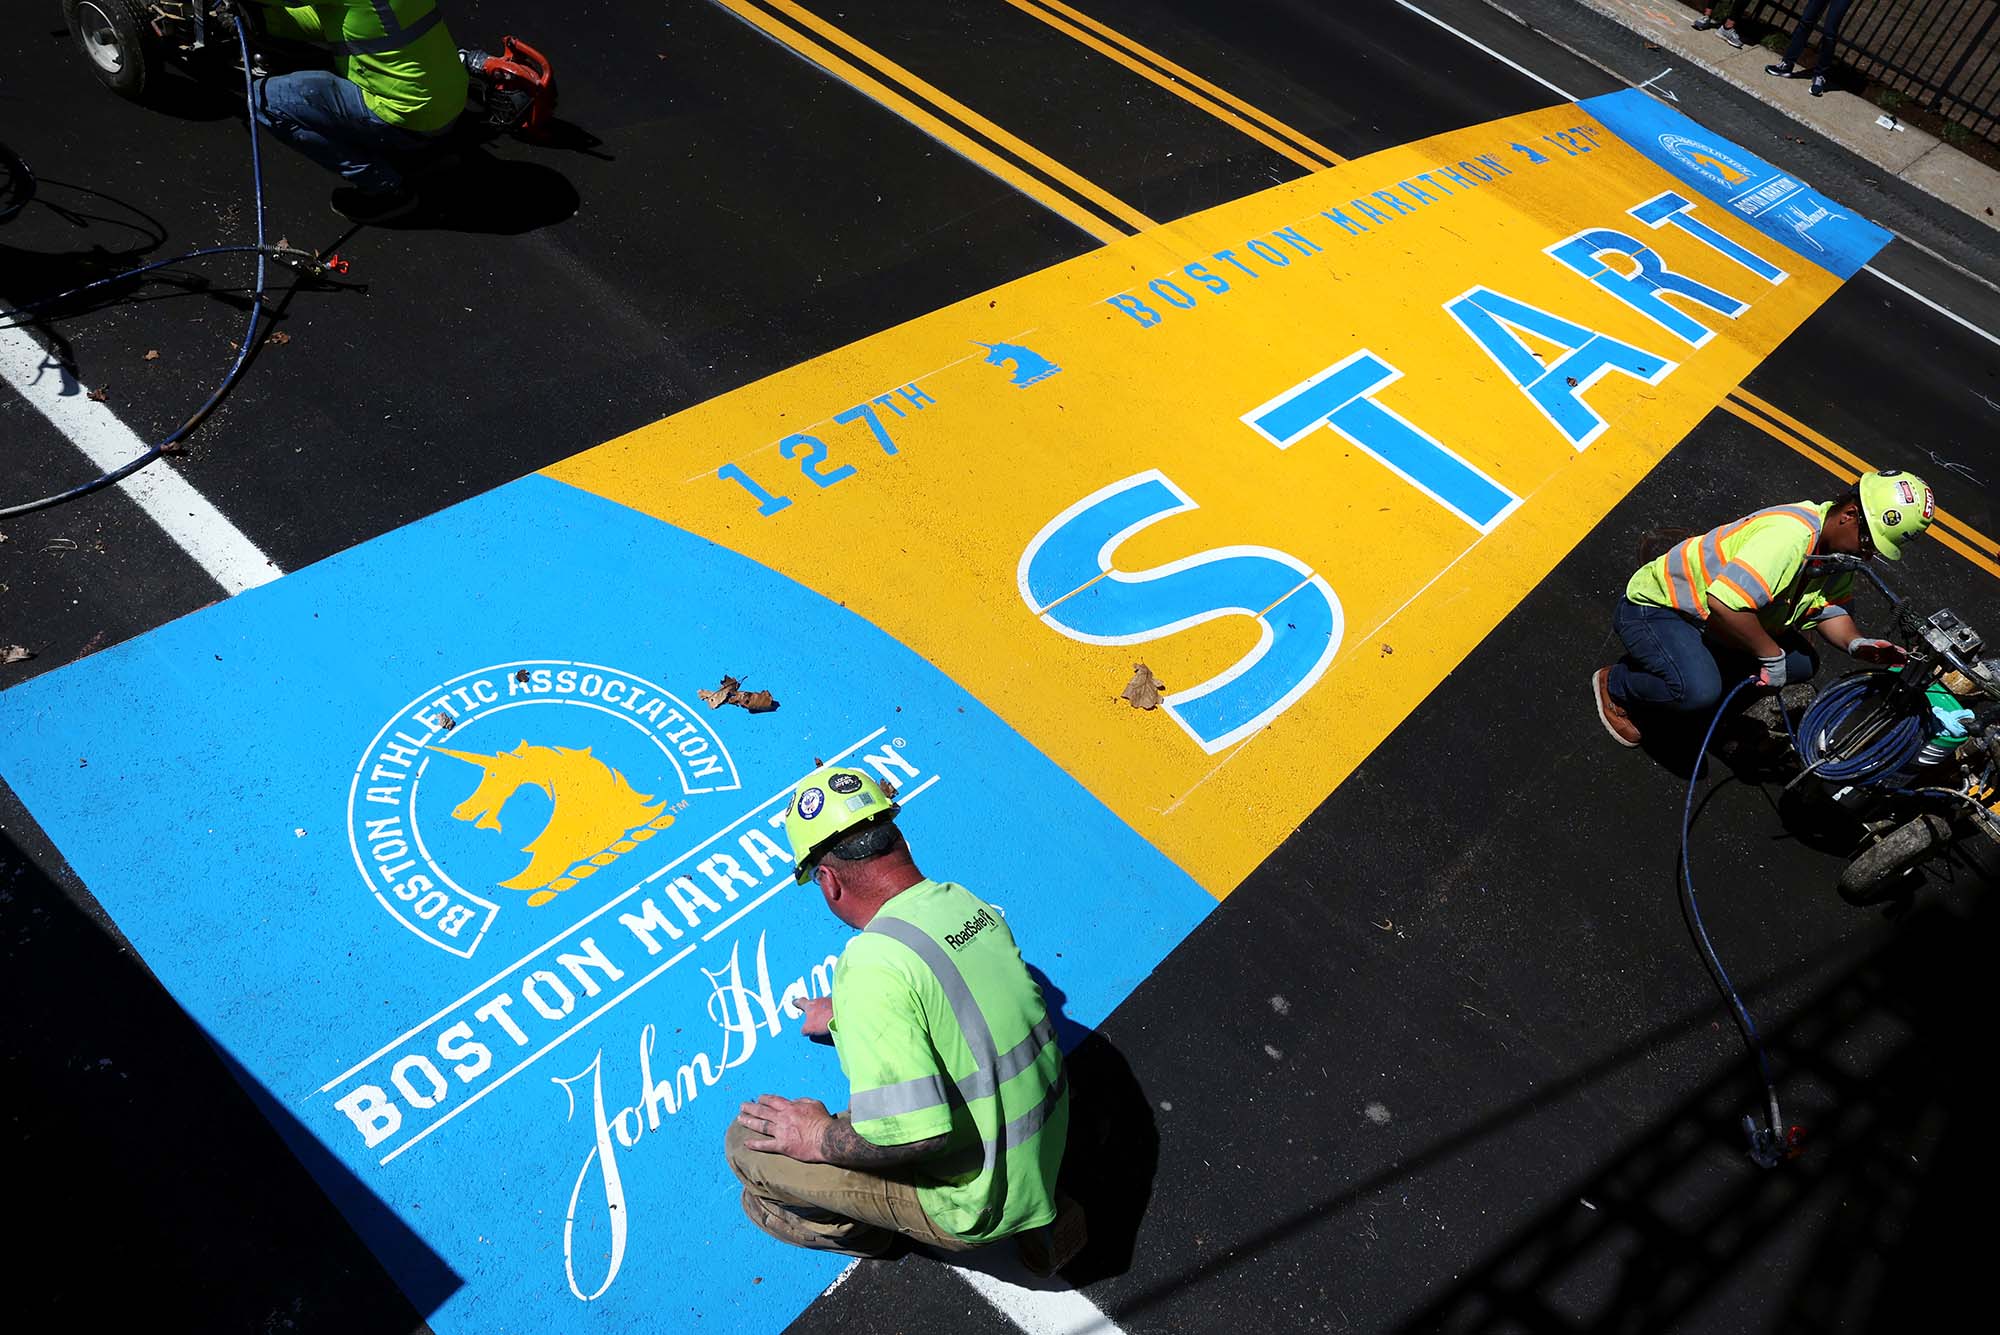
pixel 260 249
pixel 1888 754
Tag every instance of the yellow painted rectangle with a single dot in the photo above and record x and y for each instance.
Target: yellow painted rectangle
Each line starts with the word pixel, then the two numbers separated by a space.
pixel 927 541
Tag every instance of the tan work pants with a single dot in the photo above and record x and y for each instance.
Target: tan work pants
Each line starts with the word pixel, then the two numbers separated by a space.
pixel 828 1208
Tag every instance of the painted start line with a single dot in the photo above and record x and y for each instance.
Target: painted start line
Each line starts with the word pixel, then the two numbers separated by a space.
pixel 483 897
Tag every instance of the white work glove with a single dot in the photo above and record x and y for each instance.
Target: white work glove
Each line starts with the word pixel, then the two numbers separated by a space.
pixel 1773 673
pixel 1879 652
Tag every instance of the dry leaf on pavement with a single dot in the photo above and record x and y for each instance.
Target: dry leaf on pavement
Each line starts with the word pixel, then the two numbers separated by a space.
pixel 731 692
pixel 152 354
pixel 719 697
pixel 1144 688
pixel 14 653
pixel 100 394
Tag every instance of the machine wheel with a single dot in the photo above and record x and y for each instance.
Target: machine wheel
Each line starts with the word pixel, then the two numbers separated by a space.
pixel 1881 869
pixel 118 41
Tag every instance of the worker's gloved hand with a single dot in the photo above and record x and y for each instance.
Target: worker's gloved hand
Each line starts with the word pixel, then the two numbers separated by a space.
pixel 1879 652
pixel 1772 673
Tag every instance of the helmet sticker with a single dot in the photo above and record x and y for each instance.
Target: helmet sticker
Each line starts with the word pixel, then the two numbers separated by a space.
pixel 860 802
pixel 1907 492
pixel 1930 505
pixel 845 783
pixel 810 801
pixel 1891 518
pixel 1890 472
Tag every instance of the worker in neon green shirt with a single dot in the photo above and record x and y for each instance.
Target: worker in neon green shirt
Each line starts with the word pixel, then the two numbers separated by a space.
pixel 1737 600
pixel 958 1105
pixel 397 84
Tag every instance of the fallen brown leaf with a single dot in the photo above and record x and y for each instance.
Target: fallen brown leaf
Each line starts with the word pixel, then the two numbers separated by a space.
pixel 1144 688
pixel 731 692
pixel 14 653
pixel 719 697
pixel 100 394
pixel 279 338
pixel 152 355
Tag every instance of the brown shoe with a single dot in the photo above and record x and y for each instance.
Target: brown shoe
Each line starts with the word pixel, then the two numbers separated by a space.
pixel 1610 713
pixel 1048 1249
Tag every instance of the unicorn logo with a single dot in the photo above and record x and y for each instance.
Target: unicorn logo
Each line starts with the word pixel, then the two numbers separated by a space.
pixel 596 816
pixel 422 827
pixel 1030 367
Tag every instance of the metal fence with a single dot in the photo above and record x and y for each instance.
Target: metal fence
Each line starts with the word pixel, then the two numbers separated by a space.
pixel 1943 54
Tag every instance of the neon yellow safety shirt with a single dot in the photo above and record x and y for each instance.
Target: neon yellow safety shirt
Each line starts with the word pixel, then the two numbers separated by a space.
pixel 1753 564
pixel 941 1031
pixel 397 52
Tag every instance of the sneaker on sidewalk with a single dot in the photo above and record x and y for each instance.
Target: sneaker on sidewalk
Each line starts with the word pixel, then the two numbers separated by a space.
pixel 1704 23
pixel 1819 85
pixel 1731 36
pixel 374 206
pixel 1783 70
pixel 1610 713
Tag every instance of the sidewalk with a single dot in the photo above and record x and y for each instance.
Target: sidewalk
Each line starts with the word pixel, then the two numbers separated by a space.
pixel 1922 160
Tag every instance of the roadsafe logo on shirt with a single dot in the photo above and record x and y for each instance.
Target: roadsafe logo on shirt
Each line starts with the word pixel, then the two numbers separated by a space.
pixel 973 927
pixel 518 783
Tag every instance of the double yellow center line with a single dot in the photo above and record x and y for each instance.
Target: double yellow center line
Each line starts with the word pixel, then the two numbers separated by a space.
pixel 1787 430
pixel 1185 84
pixel 995 149
pixel 944 118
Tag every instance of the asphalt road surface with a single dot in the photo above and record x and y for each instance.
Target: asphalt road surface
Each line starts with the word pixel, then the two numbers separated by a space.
pixel 1445 1059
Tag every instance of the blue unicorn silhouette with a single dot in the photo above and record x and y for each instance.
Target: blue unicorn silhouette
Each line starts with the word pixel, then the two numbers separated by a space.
pixel 1030 367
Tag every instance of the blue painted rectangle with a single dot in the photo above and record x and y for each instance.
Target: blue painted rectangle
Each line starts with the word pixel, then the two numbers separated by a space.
pixel 333 795
pixel 1775 202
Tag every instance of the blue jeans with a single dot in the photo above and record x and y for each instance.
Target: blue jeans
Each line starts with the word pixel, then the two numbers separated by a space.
pixel 323 116
pixel 1829 29
pixel 1668 664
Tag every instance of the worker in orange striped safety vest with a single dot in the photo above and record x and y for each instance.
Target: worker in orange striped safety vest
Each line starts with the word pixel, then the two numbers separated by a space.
pixel 1736 601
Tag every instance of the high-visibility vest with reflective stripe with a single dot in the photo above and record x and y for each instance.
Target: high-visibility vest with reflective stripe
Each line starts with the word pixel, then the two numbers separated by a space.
pixel 1754 564
pixel 941 1030
pixel 397 51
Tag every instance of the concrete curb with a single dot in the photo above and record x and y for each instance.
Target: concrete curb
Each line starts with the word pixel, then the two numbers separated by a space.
pixel 1920 159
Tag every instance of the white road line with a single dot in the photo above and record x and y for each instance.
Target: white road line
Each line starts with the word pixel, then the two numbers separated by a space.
pixel 1474 41
pixel 170 500
pixel 1948 314
pixel 1908 241
pixel 1050 1308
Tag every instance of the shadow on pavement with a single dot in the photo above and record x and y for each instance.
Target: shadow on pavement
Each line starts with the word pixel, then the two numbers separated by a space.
pixel 492 196
pixel 1876 1067
pixel 1114 1144
pixel 149 1192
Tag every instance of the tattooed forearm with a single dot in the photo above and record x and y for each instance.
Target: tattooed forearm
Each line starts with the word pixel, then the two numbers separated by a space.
pixel 841 1146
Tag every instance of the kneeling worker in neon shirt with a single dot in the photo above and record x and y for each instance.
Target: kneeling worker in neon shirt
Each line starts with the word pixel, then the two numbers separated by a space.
pixel 396 86
pixel 1735 601
pixel 958 1108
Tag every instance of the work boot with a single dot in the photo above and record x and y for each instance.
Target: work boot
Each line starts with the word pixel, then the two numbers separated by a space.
pixel 374 206
pixel 1610 713
pixel 1048 1249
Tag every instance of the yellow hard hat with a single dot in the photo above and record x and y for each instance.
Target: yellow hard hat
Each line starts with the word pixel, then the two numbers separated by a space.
pixel 1896 506
pixel 827 804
